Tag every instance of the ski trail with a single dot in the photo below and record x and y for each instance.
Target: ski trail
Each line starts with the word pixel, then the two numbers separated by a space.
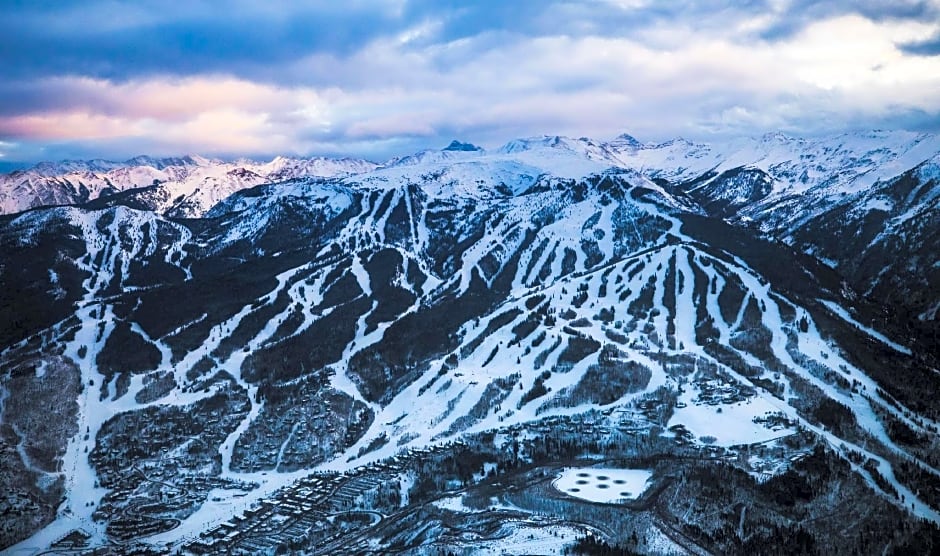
pixel 82 493
pixel 233 366
pixel 340 379
pixel 844 315
pixel 412 232
pixel 285 444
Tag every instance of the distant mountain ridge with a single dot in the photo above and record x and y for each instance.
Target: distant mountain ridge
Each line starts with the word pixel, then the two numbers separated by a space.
pixel 843 163
pixel 185 186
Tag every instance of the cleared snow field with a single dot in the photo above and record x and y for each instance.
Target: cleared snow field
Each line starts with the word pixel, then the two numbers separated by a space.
pixel 728 424
pixel 453 503
pixel 552 539
pixel 658 543
pixel 604 485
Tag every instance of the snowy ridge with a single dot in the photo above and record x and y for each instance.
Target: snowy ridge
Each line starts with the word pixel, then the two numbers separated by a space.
pixel 820 170
pixel 186 186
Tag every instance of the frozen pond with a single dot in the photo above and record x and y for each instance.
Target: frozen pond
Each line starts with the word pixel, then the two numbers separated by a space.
pixel 607 486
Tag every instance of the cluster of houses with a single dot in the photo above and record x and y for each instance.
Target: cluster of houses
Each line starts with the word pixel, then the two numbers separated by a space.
pixel 304 511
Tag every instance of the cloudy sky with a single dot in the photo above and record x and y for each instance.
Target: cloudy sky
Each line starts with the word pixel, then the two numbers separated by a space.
pixel 113 79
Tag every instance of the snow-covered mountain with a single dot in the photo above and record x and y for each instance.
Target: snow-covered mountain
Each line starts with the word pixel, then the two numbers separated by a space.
pixel 863 202
pixel 664 301
pixel 182 187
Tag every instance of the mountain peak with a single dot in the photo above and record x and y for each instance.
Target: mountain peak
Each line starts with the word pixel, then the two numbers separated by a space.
pixel 199 160
pixel 777 137
pixel 456 145
pixel 529 143
pixel 626 140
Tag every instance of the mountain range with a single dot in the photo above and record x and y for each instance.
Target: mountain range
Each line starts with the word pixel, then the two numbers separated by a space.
pixel 210 333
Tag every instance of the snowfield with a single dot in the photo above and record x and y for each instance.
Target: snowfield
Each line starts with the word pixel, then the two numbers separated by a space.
pixel 603 485
pixel 726 424
pixel 526 540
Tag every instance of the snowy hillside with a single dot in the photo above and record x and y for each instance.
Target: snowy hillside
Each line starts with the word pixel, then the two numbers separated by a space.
pixel 531 309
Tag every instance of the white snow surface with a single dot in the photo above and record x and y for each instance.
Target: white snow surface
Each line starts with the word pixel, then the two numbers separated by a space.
pixel 523 540
pixel 188 186
pixel 453 503
pixel 831 166
pixel 603 484
pixel 728 424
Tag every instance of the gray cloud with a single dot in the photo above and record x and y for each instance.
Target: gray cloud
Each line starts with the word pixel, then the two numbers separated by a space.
pixel 257 40
pixel 118 40
pixel 372 77
pixel 800 13
pixel 926 47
